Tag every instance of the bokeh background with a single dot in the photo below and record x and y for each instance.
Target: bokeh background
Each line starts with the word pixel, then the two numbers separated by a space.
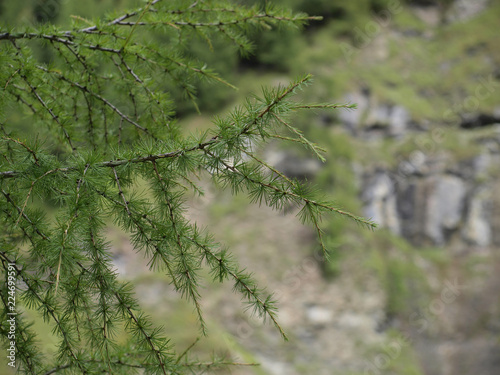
pixel 420 155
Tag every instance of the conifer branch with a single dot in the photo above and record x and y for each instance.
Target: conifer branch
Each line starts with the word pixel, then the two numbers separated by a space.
pixel 45 106
pixel 105 94
pixel 186 351
pixel 271 168
pixel 240 21
pixel 21 212
pixel 134 217
pixel 242 283
pixel 68 226
pixel 101 98
pixel 22 144
pixel 188 286
pixel 314 148
pixel 148 337
pixel 240 278
pixel 31 189
pixel 63 38
pixel 146 8
pixel 121 18
pixel 51 311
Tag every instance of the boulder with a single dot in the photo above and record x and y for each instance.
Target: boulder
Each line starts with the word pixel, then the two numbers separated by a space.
pixel 423 209
pixel 477 230
pixel 352 118
pixel 393 119
pixel 380 202
pixel 444 206
pixel 292 165
pixel 462 10
pixel 477 120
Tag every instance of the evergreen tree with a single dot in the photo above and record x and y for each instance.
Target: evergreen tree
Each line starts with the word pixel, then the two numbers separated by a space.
pixel 102 124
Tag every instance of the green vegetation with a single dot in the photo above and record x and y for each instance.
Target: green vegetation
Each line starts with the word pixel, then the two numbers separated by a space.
pixel 194 81
pixel 103 99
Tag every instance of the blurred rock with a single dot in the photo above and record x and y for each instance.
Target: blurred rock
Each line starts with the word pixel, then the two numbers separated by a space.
pixel 373 118
pixel 431 209
pixel 292 165
pixel 477 120
pixel 462 10
pixel 318 315
pixel 352 119
pixel 444 207
pixel 393 118
pixel 477 230
pixel 381 204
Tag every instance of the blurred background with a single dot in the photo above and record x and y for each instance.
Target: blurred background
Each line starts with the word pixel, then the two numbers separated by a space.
pixel 420 155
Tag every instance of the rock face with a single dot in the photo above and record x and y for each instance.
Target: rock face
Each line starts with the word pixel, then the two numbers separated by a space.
pixel 381 201
pixel 441 200
pixel 431 209
pixel 477 230
pixel 476 120
pixel 462 10
pixel 371 118
pixel 293 166
pixel 430 198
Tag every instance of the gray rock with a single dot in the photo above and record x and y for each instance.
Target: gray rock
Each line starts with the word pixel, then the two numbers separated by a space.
pixel 427 11
pixel 393 119
pixel 462 10
pixel 399 119
pixel 378 116
pixel 380 202
pixel 477 120
pixel 319 315
pixel 384 118
pixel 292 165
pixel 273 366
pixel 445 207
pixel 482 164
pixel 430 208
pixel 477 230
pixel 352 118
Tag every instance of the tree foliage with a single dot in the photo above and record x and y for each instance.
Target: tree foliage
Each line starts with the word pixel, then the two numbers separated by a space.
pixel 103 127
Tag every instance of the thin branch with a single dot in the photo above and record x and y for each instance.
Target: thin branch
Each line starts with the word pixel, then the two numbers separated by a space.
pixel 70 221
pixel 120 192
pixel 302 139
pixel 133 28
pixel 185 352
pixel 37 162
pixel 101 98
pixel 368 223
pixel 222 23
pixel 49 110
pixel 191 283
pixel 31 189
pixel 64 38
pixel 118 20
pixel 201 146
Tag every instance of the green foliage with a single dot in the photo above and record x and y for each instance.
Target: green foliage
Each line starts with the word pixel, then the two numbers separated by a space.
pixel 343 18
pixel 105 145
pixel 394 261
pixel 395 356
